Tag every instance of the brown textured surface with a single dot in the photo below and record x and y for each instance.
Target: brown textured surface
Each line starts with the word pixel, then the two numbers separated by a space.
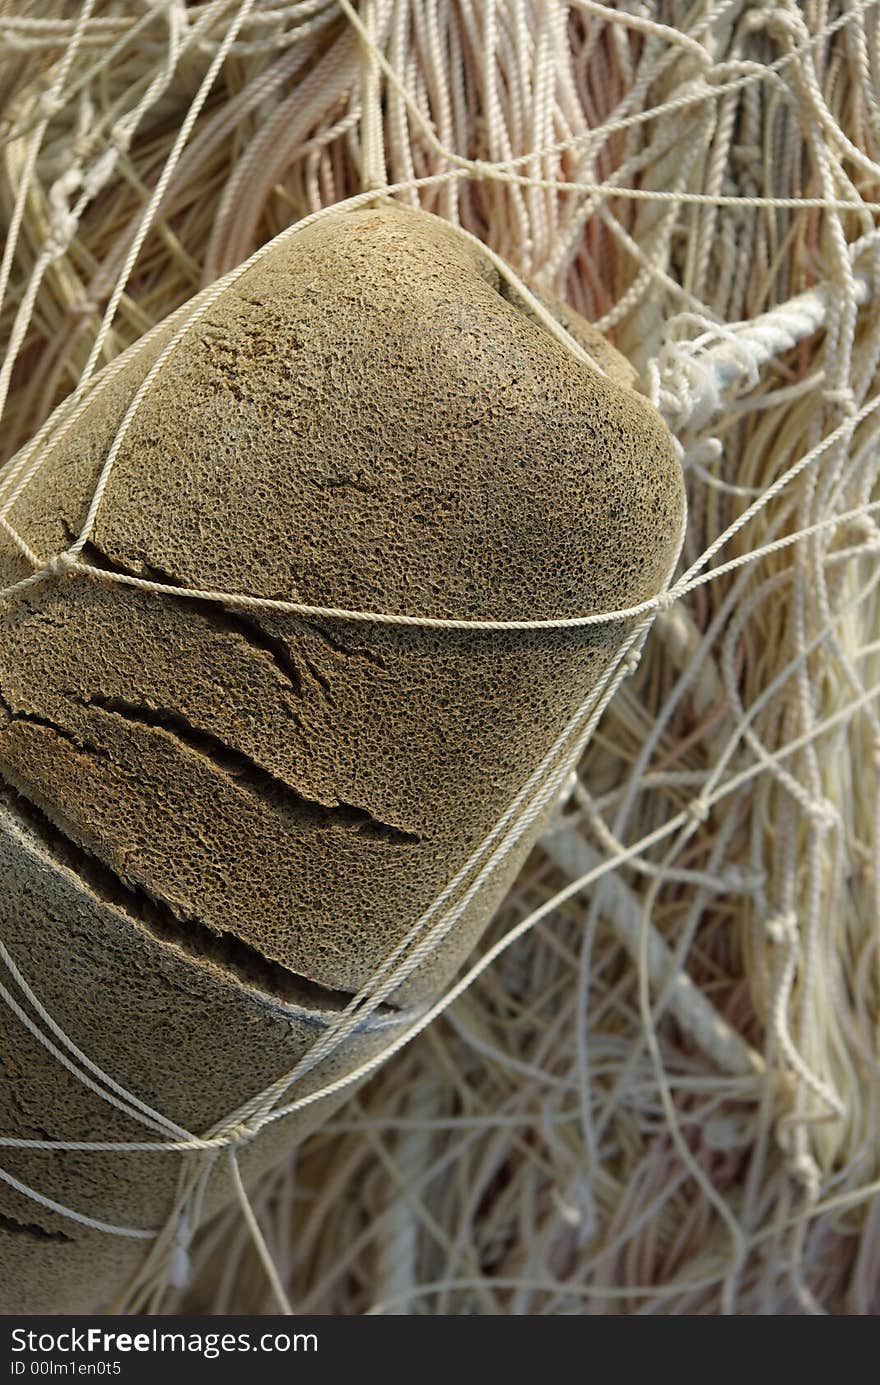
pixel 192 1038
pixel 366 418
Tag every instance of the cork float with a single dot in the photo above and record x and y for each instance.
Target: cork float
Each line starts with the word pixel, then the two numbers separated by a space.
pixel 215 823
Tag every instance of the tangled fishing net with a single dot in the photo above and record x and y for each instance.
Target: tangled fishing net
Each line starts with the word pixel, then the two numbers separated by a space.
pixel 657 1091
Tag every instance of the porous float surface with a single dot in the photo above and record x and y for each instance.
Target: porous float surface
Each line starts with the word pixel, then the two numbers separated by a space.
pixel 367 418
pixel 187 1034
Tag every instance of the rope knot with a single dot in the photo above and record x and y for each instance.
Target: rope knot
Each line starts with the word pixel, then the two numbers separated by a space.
pixel 61 563
pixel 631 662
pixel 822 814
pixel 804 1168
pixel 699 809
pixel 666 600
pixel 843 396
pixel 781 928
pixel 238 1134
pixel 82 308
pixel 100 172
pixel 120 137
pixel 63 229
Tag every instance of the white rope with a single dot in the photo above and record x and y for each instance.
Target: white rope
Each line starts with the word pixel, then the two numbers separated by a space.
pixel 661 106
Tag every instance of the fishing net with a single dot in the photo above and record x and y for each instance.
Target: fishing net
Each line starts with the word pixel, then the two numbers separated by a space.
pixel 655 1089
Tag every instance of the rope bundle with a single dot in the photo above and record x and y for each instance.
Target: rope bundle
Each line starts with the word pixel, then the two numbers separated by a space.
pixel 703 184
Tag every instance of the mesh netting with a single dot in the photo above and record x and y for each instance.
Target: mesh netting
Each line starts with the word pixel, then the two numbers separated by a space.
pixel 655 1089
